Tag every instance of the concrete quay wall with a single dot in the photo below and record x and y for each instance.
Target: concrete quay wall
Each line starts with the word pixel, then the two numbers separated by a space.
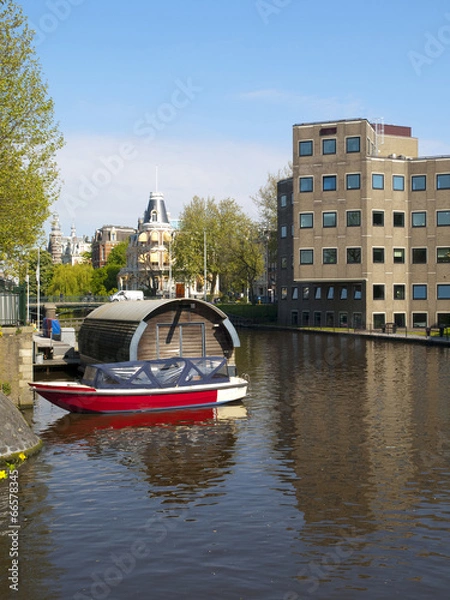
pixel 16 364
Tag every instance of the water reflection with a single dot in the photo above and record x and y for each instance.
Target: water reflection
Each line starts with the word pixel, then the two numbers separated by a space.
pixel 191 450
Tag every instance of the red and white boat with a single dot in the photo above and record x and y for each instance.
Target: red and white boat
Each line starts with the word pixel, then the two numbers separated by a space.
pixel 146 385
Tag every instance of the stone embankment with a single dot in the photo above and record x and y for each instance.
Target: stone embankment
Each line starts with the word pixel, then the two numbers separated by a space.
pixel 16 436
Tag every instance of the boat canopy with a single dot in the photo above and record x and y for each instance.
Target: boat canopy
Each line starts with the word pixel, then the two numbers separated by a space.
pixel 159 373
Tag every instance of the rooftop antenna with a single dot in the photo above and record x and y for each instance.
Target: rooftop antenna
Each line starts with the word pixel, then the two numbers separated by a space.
pixel 379 134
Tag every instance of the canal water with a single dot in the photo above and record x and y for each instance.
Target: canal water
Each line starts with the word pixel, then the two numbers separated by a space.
pixel 331 480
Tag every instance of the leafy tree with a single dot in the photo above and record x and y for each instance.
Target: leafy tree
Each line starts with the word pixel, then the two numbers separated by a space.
pixel 266 198
pixel 71 280
pixel 29 138
pixel 104 280
pixel 223 231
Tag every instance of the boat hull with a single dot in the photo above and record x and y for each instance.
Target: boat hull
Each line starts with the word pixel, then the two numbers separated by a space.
pixel 85 399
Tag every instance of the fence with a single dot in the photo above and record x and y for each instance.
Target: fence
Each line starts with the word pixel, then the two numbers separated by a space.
pixel 9 309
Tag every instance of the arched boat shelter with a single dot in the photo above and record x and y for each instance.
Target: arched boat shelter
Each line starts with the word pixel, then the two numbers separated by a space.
pixel 148 329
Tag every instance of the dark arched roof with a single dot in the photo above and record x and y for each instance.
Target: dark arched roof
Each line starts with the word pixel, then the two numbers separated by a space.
pixel 131 330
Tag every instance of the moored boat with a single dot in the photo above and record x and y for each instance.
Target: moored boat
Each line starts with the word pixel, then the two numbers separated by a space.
pixel 146 385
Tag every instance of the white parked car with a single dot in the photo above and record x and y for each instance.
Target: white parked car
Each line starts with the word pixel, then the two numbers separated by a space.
pixel 127 295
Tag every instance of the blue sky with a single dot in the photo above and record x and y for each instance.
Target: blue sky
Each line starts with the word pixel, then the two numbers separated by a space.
pixel 207 91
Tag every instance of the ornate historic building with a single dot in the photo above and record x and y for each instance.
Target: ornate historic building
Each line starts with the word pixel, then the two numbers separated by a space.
pixel 66 249
pixel 148 254
pixel 104 241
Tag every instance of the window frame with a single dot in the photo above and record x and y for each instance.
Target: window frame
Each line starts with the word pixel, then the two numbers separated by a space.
pixel 330 252
pixel 402 255
pixel 443 212
pixel 398 213
pixel 305 144
pixel 439 176
pixel 353 212
pixel 334 146
pixel 329 178
pixel 303 252
pixel 414 255
pixel 306 214
pixel 417 213
pixel 308 179
pixel 347 181
pixel 349 252
pixel 415 289
pixel 415 179
pixel 378 213
pixel 395 180
pixel 381 251
pixel 329 213
pixel 439 289
pixel 349 141
pixel 374 179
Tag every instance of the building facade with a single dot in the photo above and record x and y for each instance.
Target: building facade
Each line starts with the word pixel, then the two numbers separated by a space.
pixel 363 229
pixel 67 250
pixel 148 254
pixel 104 241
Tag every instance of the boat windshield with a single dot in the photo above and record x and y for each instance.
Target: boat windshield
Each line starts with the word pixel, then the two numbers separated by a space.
pixel 162 373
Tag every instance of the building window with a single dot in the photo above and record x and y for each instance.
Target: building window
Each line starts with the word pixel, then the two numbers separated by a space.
pixel 357 291
pixel 353 218
pixel 284 262
pixel 329 183
pixel 353 256
pixel 443 218
pixel 377 181
pixel 329 319
pixel 306 220
pixel 353 181
pixel 378 255
pixel 443 291
pixel 305 148
pixel 317 319
pixel 294 317
pixel 399 255
pixel 330 293
pixel 378 291
pixel 399 291
pixel 377 218
pixel 305 292
pixel 283 231
pixel 419 256
pixel 418 183
pixel 318 293
pixel 329 219
pixel 353 144
pixel 419 219
pixel 343 319
pixel 294 293
pixel 329 146
pixel 344 293
pixel 419 292
pixel 443 182
pixel 305 318
pixel 357 320
pixel 419 319
pixel 399 219
pixel 284 293
pixel 283 201
pixel 329 256
pixel 306 257
pixel 306 184
pixel 400 319
pixel 398 183
pixel 443 255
